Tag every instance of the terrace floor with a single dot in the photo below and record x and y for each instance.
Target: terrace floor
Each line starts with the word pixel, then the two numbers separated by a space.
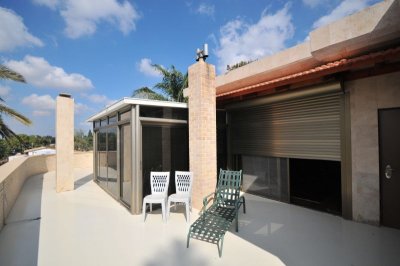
pixel 87 227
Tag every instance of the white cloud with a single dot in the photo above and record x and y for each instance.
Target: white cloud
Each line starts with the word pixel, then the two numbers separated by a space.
pixel 98 98
pixel 43 102
pixel 37 71
pixel 14 33
pixel 4 91
pixel 43 105
pixel 145 67
pixel 240 41
pixel 49 3
pixel 205 9
pixel 81 108
pixel 345 8
pixel 313 3
pixel 82 17
pixel 41 113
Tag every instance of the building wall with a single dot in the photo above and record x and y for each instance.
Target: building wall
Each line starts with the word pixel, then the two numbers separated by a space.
pixel 14 174
pixel 366 97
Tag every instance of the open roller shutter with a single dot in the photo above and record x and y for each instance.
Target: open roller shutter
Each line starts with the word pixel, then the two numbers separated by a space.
pixel 307 128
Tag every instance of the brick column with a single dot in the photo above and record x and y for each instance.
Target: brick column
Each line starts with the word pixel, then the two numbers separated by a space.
pixel 202 130
pixel 65 143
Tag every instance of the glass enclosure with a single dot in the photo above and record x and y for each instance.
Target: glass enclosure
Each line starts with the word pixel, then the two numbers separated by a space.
pixel 164 147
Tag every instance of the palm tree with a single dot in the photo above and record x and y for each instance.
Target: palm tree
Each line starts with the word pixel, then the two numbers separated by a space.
pixel 146 93
pixel 5 131
pixel 6 73
pixel 172 84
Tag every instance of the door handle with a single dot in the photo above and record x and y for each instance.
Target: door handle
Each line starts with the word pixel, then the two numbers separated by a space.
pixel 388 171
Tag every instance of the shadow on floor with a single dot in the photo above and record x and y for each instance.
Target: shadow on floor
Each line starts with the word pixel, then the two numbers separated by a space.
pixel 82 181
pixel 300 236
pixel 176 254
pixel 22 228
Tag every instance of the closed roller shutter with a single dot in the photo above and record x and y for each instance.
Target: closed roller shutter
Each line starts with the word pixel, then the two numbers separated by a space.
pixel 306 128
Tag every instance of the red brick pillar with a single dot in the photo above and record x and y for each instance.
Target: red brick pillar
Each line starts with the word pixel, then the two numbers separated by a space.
pixel 202 130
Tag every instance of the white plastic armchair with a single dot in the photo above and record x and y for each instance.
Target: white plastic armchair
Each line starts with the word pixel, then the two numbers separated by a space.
pixel 159 182
pixel 183 184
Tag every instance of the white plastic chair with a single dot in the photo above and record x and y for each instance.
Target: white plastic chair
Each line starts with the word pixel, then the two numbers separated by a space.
pixel 183 184
pixel 159 182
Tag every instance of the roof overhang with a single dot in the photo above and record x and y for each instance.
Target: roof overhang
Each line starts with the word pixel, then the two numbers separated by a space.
pixel 372 29
pixel 125 102
pixel 376 63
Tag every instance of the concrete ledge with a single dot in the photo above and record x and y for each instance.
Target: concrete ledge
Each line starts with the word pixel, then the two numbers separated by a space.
pixel 369 29
pixel 14 173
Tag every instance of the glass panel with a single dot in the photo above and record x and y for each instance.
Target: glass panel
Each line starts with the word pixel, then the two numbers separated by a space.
pixel 164 112
pixel 102 157
pixel 96 123
pixel 126 163
pixel 112 119
pixel 112 161
pixel 165 148
pixel 104 122
pixel 264 176
pixel 125 116
pixel 102 140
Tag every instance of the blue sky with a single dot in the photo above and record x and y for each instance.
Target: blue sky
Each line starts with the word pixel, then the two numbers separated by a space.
pixel 101 50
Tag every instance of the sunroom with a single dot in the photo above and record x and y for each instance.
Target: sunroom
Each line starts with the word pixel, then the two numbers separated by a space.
pixel 133 137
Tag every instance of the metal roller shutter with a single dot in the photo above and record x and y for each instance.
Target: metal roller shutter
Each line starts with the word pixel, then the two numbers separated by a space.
pixel 306 128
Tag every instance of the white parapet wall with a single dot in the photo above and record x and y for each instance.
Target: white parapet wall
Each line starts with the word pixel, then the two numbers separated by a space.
pixel 14 174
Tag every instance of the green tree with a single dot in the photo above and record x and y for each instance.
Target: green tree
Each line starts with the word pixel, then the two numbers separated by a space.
pixel 146 93
pixel 82 142
pixel 90 138
pixel 172 85
pixel 5 131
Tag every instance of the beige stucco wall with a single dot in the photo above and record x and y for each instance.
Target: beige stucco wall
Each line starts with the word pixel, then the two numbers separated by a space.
pixel 366 97
pixel 14 173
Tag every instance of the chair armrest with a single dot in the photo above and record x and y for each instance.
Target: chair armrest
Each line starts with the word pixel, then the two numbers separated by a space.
pixel 206 201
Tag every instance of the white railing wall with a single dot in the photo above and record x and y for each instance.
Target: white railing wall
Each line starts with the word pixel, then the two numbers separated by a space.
pixel 14 173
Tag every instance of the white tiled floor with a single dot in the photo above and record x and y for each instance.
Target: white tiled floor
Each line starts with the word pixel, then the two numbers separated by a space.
pixel 87 227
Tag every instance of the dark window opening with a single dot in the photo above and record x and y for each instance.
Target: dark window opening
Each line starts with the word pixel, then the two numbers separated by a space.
pixel 316 184
pixel 221 141
pixel 265 176
pixel 164 148
pixel 164 112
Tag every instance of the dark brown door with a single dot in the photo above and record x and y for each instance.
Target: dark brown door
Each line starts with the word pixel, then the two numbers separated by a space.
pixel 389 149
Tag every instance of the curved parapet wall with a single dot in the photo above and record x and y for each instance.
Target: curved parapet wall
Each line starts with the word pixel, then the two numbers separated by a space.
pixel 14 173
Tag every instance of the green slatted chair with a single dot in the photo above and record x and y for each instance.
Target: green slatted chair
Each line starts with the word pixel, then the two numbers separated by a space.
pixel 215 220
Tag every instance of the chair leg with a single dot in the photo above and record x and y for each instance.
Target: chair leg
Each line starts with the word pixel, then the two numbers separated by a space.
pixel 163 210
pixel 237 221
pixel 187 211
pixel 244 205
pixel 187 241
pixel 169 207
pixel 220 248
pixel 144 211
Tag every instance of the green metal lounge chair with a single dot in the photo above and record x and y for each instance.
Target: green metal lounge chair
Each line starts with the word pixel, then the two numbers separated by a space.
pixel 215 220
